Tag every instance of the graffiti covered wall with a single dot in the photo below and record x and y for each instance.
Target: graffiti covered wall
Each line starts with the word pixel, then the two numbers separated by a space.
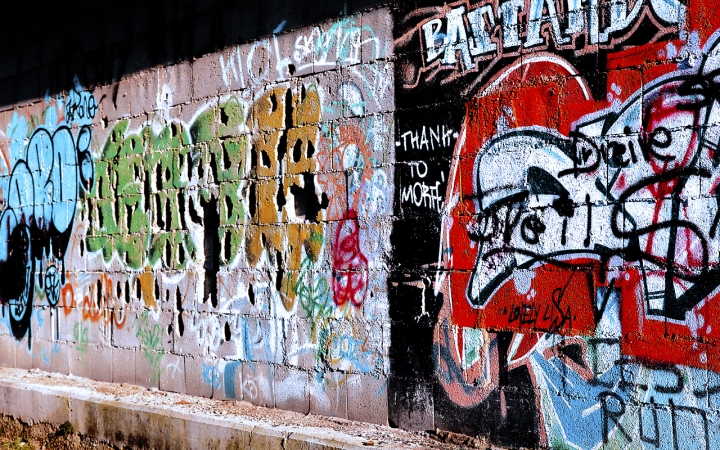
pixel 498 218
pixel 214 227
pixel 562 175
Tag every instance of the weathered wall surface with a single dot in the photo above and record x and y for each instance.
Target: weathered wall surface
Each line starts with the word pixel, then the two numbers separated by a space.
pixel 215 227
pixel 495 218
pixel 558 162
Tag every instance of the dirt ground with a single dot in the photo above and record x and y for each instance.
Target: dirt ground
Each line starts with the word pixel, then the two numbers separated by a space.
pixel 16 435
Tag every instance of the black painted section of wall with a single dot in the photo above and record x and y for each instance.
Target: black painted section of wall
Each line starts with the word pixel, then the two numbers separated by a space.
pixel 416 398
pixel 44 46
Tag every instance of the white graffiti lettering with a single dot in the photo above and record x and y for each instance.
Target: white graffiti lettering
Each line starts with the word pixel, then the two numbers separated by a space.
pixel 467 33
pixel 421 194
pixel 428 138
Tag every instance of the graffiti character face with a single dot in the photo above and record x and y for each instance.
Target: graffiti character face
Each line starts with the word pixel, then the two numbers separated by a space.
pixel 617 198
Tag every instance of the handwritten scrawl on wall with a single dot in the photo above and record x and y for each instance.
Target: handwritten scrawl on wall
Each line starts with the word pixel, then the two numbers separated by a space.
pixel 575 292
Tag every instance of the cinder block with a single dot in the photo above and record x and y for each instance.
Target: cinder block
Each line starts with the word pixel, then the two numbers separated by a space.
pixel 106 113
pixel 234 291
pixel 80 363
pixel 137 93
pixel 380 21
pixel 259 60
pixel 284 66
pixel 357 149
pixel 231 65
pixel 175 84
pixel 258 384
pixel 7 351
pixel 101 363
pixel 230 340
pixel 375 306
pixel 162 328
pixel 213 375
pixel 266 343
pixel 173 377
pixel 123 365
pixel 96 329
pixel 713 379
pixel 148 367
pixel 127 336
pixel 195 382
pixel 301 343
pixel 377 84
pixel 327 57
pixel 231 381
pixel 41 354
pixel 328 394
pixel 44 324
pixel 333 186
pixel 291 389
pixel 188 343
pixel 328 85
pixel 23 355
pixel 344 345
pixel 151 329
pixel 115 104
pixel 367 399
pixel 383 143
pixel 183 291
pixel 303 53
pixel 59 361
pixel 207 79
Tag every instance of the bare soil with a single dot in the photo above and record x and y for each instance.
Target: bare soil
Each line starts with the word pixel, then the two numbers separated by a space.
pixel 17 435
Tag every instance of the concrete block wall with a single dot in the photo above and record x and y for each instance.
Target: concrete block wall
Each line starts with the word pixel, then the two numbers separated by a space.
pixel 216 227
pixel 560 160
pixel 494 218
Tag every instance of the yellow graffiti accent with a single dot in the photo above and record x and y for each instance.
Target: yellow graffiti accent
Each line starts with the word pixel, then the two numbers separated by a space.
pixel 147 286
pixel 284 154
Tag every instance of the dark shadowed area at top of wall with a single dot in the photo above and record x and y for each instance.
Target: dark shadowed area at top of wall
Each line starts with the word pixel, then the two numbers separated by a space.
pixel 44 46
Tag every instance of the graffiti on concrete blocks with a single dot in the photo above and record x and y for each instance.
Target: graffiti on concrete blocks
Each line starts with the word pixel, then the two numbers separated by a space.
pixel 574 288
pixel 46 168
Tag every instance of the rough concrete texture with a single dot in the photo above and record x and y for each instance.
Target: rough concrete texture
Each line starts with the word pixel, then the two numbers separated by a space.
pixel 216 227
pixel 497 218
pixel 565 155
pixel 129 416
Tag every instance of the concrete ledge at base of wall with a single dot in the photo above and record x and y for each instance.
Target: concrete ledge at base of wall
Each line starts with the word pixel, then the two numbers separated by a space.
pixel 132 416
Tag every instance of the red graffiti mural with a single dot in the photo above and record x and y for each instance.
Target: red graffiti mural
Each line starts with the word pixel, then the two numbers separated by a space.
pixel 614 196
